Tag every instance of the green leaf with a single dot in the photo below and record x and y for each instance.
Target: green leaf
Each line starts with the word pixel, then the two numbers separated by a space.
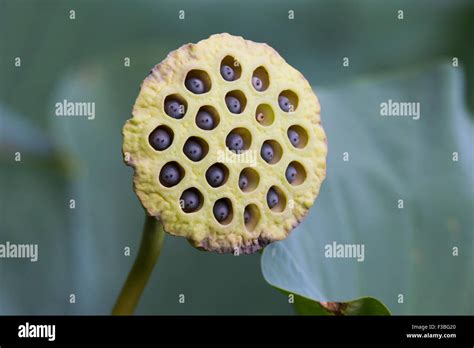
pixel 418 259
pixel 361 306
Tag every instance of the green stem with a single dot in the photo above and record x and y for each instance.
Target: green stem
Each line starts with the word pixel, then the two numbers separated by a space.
pixel 150 247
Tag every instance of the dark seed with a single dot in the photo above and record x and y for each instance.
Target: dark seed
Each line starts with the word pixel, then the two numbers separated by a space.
pixel 221 210
pixel 267 152
pixel 169 175
pixel 227 73
pixel 160 139
pixel 291 173
pixel 272 198
pixel 233 104
pixel 234 142
pixel 193 150
pixel 215 175
pixel 204 120
pixel 195 85
pixel 174 109
pixel 285 104
pixel 189 200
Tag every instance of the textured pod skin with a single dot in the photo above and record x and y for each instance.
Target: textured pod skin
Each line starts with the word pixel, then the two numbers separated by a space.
pixel 200 227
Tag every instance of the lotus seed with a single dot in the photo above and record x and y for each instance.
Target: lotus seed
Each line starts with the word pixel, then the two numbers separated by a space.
pixel 267 152
pixel 243 181
pixel 247 215
pixel 221 210
pixel 257 83
pixel 294 137
pixel 160 139
pixel 215 175
pixel 204 120
pixel 233 104
pixel 291 173
pixel 285 104
pixel 174 109
pixel 235 142
pixel 193 150
pixel 227 73
pixel 272 198
pixel 195 85
pixel 189 201
pixel 169 175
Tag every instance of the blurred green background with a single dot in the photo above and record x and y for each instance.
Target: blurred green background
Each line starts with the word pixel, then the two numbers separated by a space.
pixel 81 250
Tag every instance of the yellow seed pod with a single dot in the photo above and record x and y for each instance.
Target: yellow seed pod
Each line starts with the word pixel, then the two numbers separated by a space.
pixel 267 182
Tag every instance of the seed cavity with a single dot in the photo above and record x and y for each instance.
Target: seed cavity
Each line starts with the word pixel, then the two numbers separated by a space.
pixel 298 136
pixel 265 115
pixel 171 174
pixel 271 151
pixel 175 106
pixel 195 149
pixel 198 81
pixel 236 101
pixel 260 79
pixel 288 101
pixel 223 211
pixel 191 200
pixel 217 174
pixel 248 179
pixel 230 69
pixel 161 138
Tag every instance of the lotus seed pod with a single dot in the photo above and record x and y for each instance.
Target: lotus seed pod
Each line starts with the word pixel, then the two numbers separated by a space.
pixel 189 207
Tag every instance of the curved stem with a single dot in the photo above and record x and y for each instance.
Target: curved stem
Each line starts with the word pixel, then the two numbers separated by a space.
pixel 150 247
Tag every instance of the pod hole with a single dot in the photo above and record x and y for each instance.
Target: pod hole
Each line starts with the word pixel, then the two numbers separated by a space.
pixel 251 217
pixel 295 173
pixel 161 138
pixel 195 149
pixel 276 199
pixel 198 81
pixel 264 115
pixel 175 106
pixel 288 101
pixel 171 174
pixel 297 136
pixel 235 101
pixel 223 211
pixel 207 118
pixel 271 151
pixel 217 174
pixel 234 64
pixel 238 140
pixel 260 79
pixel 248 179
pixel 191 200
